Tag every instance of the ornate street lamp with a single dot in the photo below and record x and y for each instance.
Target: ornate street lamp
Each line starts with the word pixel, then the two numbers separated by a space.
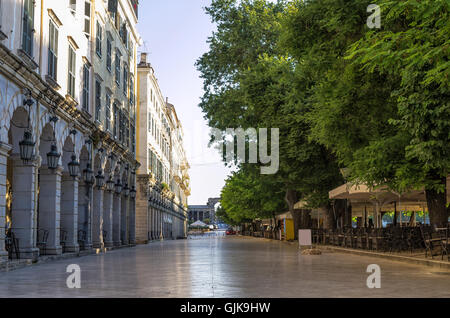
pixel 110 185
pixel 74 167
pixel 27 147
pixel 100 179
pixel 118 187
pixel 126 191
pixel 88 174
pixel 133 193
pixel 53 158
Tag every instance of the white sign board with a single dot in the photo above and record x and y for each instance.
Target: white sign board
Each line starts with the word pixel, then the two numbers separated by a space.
pixel 305 237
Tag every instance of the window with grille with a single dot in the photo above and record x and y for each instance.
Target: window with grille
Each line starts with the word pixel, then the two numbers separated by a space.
pixel 99 40
pixel 28 27
pixel 71 72
pixel 53 50
pixel 108 112
pixel 98 100
pixel 85 100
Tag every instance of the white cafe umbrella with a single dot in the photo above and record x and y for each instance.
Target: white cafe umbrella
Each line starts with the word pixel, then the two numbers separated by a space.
pixel 198 224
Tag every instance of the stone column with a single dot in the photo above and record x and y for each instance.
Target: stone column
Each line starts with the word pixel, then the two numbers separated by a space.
pixel 50 209
pixel 107 218
pixel 124 226
pixel 4 150
pixel 153 225
pixel 69 212
pixel 23 207
pixel 142 209
pixel 149 222
pixel 132 223
pixel 97 219
pixel 116 217
pixel 158 224
pixel 85 202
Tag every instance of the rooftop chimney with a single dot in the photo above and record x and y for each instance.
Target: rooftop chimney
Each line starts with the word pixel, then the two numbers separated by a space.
pixel 143 58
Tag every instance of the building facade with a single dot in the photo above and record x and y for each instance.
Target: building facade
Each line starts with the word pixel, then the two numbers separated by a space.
pixel 162 180
pixel 204 212
pixel 68 117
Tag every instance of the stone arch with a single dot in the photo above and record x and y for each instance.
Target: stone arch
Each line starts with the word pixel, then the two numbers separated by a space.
pixel 98 163
pixel 18 125
pixel 12 102
pixel 45 142
pixel 68 150
pixel 108 171
pixel 84 158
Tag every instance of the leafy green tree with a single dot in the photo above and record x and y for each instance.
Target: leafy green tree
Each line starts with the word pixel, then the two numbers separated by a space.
pixel 222 215
pixel 250 82
pixel 248 195
pixel 413 49
pixel 379 98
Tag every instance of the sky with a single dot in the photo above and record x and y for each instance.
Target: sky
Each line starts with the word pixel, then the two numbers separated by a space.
pixel 174 33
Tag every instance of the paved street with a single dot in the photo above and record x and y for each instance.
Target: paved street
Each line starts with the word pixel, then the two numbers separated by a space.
pixel 223 267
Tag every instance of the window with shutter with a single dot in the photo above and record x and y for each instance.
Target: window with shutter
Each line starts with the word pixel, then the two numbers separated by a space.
pixel 53 50
pixel 108 54
pixel 118 63
pixel 108 112
pixel 87 18
pixel 71 72
pixel 98 100
pixel 99 40
pixel 85 101
pixel 28 27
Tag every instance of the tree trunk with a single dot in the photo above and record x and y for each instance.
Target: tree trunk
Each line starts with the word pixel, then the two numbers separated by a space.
pixel 297 215
pixel 329 220
pixel 395 214
pixel 437 206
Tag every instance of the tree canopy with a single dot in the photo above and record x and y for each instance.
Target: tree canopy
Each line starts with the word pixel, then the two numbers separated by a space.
pixel 375 101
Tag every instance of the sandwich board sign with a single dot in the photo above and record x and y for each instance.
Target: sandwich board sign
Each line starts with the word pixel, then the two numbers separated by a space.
pixel 305 238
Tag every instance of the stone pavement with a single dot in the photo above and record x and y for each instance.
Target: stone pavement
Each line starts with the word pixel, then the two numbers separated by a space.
pixel 224 267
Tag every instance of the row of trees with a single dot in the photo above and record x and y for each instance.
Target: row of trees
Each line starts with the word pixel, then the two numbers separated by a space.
pixel 373 101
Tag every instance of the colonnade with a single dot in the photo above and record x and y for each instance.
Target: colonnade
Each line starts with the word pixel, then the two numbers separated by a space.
pixel 158 217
